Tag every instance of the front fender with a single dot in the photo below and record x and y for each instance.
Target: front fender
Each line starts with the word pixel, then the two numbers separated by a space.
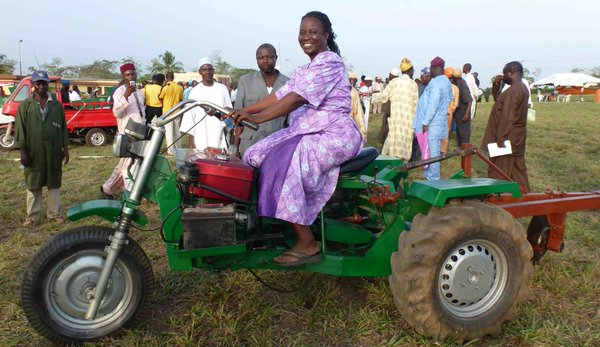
pixel 107 209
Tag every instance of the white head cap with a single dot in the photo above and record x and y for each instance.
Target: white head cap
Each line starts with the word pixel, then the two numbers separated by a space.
pixel 203 61
pixel 368 78
pixel 395 72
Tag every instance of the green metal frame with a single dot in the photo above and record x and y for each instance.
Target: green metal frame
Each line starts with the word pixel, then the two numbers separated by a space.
pixel 359 251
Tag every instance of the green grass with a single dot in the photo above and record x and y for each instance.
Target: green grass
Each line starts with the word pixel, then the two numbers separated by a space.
pixel 232 309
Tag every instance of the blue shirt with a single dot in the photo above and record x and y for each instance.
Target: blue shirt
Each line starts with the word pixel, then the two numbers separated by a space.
pixel 186 92
pixel 433 107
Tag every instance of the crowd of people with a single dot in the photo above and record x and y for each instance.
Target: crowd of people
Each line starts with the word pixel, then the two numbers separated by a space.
pixel 443 100
pixel 311 122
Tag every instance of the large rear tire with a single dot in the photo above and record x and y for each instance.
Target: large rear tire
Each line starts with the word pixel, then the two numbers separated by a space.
pixel 61 276
pixel 7 141
pixel 461 271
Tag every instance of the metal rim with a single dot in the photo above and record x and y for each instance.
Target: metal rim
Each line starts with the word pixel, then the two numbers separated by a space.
pixel 7 140
pixel 97 138
pixel 473 278
pixel 69 286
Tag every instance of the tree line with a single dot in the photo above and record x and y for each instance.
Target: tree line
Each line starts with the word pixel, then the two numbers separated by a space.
pixel 109 69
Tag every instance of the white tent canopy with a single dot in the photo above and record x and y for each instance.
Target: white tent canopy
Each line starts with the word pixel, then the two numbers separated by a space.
pixel 567 80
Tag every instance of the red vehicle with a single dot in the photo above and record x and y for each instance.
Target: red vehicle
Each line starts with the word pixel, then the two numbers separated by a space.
pixel 92 121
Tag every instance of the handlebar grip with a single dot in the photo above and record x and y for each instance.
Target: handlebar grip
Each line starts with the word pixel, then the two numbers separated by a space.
pixel 249 124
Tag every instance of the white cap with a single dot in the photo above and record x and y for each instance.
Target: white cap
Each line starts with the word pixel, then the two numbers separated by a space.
pixel 395 72
pixel 368 78
pixel 203 61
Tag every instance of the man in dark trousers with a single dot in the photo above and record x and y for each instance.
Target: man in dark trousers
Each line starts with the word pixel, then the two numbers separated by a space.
pixel 462 113
pixel 254 87
pixel 42 137
pixel 508 121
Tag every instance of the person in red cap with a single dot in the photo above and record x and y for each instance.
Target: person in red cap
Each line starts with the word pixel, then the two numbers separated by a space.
pixel 128 104
pixel 430 118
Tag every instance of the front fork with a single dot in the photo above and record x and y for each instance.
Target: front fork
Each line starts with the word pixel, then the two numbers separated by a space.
pixel 130 206
pixel 117 241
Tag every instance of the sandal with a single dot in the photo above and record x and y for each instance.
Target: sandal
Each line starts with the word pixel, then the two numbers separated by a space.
pixel 299 258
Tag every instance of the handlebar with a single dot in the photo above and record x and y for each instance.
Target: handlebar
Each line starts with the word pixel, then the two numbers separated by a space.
pixel 210 109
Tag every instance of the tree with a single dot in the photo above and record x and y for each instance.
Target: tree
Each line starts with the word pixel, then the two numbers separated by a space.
pixel 577 70
pixel 236 73
pixel 165 63
pixel 55 67
pixel 527 76
pixel 7 65
pixel 100 69
pixel 221 66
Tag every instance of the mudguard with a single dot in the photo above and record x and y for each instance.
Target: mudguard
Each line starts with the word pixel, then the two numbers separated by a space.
pixel 107 209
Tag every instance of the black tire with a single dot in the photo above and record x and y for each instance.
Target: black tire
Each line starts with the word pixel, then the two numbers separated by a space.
pixel 62 272
pixel 96 137
pixel 461 270
pixel 7 141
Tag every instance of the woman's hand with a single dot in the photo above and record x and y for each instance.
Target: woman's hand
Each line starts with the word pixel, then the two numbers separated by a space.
pixel 239 115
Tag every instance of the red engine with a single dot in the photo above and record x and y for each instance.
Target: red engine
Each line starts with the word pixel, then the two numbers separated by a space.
pixel 221 173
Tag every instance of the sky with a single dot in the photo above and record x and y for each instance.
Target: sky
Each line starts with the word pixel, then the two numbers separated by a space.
pixel 373 36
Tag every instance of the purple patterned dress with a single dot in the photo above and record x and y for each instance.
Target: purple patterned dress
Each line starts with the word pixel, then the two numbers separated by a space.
pixel 299 165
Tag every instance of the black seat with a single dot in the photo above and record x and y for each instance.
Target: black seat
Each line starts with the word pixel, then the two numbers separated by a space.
pixel 360 161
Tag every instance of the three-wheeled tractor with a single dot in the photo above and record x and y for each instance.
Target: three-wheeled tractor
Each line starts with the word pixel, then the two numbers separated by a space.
pixel 458 262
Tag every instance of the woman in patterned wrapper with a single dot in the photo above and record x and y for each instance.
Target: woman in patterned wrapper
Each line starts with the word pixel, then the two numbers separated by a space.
pixel 299 165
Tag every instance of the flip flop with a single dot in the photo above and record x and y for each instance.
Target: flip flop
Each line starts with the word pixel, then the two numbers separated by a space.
pixel 301 259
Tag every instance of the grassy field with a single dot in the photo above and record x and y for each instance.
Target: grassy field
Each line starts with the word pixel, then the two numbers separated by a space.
pixel 232 309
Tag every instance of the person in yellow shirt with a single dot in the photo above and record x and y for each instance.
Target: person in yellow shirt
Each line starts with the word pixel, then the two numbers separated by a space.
pixel 154 106
pixel 171 95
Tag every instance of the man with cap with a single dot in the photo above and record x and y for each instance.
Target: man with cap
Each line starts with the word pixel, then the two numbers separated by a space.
pixel 403 95
pixel 423 81
pixel 430 118
pixel 462 112
pixel 128 104
pixel 255 86
pixel 204 130
pixel 64 91
pixel 365 97
pixel 355 109
pixel 42 137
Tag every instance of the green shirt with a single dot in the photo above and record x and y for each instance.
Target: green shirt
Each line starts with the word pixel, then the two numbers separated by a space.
pixel 44 140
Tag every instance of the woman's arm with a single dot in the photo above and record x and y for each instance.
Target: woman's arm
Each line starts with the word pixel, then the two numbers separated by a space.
pixel 270 109
pixel 261 105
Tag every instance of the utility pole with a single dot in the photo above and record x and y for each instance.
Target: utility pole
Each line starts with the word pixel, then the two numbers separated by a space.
pixel 20 65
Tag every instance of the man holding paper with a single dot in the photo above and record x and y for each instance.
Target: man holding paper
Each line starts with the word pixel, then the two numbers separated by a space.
pixel 508 121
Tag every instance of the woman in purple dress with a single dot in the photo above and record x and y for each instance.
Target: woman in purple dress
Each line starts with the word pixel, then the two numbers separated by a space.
pixel 299 165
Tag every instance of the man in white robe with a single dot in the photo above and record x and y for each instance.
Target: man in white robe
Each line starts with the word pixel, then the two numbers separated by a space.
pixel 204 130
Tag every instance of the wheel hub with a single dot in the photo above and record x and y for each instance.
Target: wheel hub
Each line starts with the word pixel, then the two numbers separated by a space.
pixel 71 287
pixel 472 278
pixel 97 139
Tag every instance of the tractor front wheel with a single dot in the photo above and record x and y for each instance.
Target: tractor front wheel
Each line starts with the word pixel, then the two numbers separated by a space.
pixel 60 280
pixel 461 270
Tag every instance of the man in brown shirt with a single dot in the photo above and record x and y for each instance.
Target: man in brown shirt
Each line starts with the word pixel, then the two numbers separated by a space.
pixel 508 121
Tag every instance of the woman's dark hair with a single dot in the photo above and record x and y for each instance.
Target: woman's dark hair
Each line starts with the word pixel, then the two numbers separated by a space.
pixel 322 17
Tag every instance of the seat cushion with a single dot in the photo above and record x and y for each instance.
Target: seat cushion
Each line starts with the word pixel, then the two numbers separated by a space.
pixel 360 161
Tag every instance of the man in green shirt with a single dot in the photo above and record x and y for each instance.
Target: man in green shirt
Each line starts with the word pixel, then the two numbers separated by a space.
pixel 42 137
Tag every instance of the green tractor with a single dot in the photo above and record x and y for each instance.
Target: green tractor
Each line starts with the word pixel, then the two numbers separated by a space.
pixel 457 265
